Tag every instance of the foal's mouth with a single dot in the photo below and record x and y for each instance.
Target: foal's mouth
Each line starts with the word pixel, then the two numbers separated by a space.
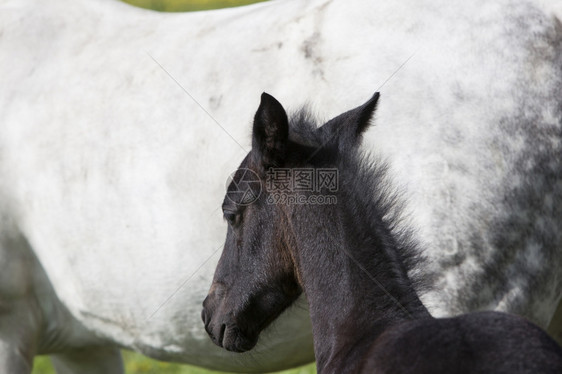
pixel 233 339
pixel 228 335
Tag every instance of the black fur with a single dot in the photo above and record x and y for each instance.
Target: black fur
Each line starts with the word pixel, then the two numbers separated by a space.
pixel 352 259
pixel 271 131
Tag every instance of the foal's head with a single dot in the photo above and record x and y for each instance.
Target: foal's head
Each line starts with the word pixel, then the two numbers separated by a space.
pixel 256 277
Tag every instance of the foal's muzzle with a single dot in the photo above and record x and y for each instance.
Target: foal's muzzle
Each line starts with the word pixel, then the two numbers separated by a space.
pixel 222 328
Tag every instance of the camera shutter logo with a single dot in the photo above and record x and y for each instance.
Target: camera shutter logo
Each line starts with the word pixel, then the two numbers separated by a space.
pixel 243 187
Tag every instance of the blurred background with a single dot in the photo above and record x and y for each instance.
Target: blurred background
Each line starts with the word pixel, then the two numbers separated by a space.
pixel 188 5
pixel 135 363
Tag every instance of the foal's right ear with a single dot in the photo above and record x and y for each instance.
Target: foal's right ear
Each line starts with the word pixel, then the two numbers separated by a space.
pixel 270 133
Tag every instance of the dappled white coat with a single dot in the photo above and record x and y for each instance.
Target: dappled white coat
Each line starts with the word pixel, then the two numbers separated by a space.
pixel 120 126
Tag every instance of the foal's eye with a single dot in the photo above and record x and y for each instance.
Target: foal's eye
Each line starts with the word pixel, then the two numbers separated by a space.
pixel 230 217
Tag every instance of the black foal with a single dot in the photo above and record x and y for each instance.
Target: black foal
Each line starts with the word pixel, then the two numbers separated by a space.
pixel 317 216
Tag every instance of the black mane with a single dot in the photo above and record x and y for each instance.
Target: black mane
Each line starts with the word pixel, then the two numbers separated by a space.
pixel 364 178
pixel 354 258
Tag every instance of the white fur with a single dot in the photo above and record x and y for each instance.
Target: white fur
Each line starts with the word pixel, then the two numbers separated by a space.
pixel 112 175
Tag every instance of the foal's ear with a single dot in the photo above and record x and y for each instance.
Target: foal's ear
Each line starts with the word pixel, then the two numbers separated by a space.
pixel 346 130
pixel 270 133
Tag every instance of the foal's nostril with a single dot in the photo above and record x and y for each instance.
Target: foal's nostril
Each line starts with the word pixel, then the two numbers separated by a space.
pixel 204 317
pixel 221 335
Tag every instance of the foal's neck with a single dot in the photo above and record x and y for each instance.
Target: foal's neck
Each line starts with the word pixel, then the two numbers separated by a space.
pixel 355 281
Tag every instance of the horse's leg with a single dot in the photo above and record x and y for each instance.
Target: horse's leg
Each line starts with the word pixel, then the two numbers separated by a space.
pixel 18 335
pixel 94 360
pixel 21 318
pixel 17 339
pixel 555 325
pixel 20 315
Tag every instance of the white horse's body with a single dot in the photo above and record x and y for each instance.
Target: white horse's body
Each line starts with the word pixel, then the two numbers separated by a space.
pixel 112 174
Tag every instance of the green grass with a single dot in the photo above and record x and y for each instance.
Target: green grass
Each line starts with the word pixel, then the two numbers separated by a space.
pixel 188 5
pixel 138 364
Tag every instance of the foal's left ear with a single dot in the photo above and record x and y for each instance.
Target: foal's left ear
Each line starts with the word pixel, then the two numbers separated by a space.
pixel 270 133
pixel 347 128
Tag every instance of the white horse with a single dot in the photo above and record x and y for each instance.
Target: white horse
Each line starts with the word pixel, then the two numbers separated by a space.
pixel 119 127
